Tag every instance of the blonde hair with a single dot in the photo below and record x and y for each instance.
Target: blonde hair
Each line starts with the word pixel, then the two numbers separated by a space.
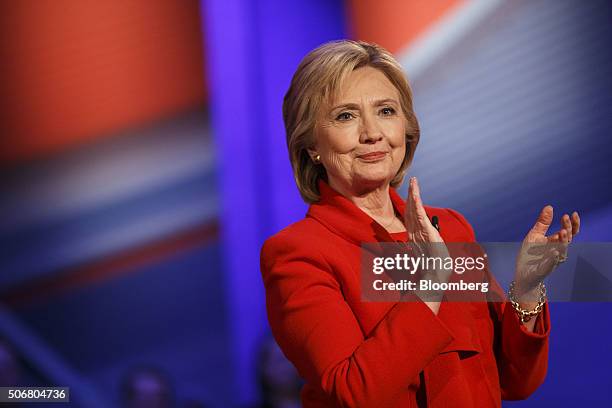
pixel 317 79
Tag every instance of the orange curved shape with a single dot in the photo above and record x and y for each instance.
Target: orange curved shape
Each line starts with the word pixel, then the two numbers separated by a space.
pixel 394 24
pixel 75 71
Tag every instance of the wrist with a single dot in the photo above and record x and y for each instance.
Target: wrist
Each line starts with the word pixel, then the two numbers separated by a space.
pixel 528 292
pixel 528 304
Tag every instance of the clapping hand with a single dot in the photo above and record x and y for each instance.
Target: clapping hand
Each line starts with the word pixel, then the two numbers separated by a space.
pixel 540 254
pixel 420 229
pixel 425 239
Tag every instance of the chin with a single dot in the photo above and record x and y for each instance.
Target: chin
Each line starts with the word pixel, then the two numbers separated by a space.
pixel 381 172
pixel 374 180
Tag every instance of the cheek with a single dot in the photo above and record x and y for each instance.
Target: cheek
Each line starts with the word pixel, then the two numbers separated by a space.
pixel 396 134
pixel 338 140
pixel 399 153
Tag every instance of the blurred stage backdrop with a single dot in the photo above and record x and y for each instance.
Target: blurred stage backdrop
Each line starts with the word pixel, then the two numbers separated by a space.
pixel 143 163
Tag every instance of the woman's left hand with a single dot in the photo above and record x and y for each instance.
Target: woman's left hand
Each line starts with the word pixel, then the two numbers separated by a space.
pixel 540 254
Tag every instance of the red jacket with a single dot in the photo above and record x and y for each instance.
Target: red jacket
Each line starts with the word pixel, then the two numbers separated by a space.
pixel 388 354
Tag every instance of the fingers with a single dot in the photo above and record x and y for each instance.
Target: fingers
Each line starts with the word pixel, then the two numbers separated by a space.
pixel 415 218
pixel 544 220
pixel 571 225
pixel 566 223
pixel 564 240
pixel 575 223
pixel 561 236
pixel 417 204
pixel 410 214
pixel 564 236
pixel 411 211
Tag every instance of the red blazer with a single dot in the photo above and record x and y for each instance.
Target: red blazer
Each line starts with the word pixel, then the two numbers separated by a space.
pixel 388 354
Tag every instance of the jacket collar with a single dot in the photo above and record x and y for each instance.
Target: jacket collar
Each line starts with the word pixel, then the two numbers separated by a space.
pixel 343 217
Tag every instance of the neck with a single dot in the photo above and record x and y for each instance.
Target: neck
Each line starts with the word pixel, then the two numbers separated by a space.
pixel 374 201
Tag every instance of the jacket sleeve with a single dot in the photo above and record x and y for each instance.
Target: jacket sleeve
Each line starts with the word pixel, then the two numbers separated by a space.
pixel 522 356
pixel 319 334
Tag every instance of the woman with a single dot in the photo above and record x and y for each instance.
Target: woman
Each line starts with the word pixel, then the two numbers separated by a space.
pixel 351 134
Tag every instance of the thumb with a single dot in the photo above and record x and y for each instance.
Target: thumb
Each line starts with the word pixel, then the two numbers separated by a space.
pixel 544 220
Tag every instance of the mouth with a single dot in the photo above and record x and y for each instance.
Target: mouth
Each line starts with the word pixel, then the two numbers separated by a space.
pixel 373 156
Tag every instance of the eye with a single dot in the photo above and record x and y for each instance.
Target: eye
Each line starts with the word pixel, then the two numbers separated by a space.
pixel 387 111
pixel 344 116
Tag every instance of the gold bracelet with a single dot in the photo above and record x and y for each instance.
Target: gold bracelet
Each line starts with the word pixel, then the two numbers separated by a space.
pixel 526 315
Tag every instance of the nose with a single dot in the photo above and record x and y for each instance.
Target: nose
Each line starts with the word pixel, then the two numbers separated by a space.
pixel 370 131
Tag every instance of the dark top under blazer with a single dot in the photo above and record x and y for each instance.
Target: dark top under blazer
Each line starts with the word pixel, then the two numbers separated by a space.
pixel 378 354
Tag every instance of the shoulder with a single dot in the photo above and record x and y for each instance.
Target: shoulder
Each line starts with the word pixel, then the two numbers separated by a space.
pixel 304 236
pixel 454 227
pixel 296 255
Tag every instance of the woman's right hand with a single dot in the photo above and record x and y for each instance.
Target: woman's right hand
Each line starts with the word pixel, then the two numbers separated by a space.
pixel 425 239
pixel 420 229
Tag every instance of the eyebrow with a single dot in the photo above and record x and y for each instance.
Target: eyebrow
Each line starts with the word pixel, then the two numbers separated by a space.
pixel 378 102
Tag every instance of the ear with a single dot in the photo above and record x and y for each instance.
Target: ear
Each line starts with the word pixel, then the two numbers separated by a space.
pixel 312 153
